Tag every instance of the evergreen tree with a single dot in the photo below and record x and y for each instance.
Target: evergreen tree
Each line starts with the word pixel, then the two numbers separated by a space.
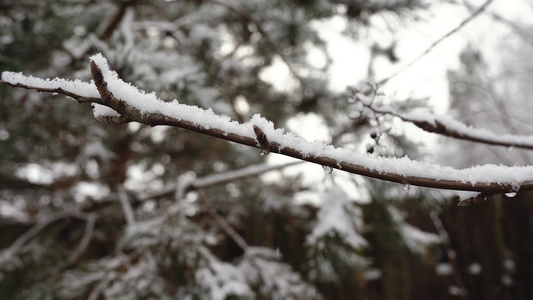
pixel 93 211
pixel 493 94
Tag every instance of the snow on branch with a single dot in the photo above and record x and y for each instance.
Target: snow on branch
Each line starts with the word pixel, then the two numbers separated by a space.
pixel 450 127
pixel 117 102
pixel 447 126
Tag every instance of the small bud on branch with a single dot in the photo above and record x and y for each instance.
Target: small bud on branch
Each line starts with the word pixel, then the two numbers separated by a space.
pixel 262 140
pixel 98 77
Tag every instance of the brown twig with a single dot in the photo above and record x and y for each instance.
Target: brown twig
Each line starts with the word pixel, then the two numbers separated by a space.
pixel 440 127
pixel 61 91
pixel 132 114
pixel 109 99
pixel 443 129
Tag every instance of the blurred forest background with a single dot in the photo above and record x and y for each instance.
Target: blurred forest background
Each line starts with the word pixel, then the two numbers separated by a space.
pixel 92 211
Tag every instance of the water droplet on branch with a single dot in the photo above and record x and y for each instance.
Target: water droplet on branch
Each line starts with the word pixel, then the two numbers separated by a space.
pixel 327 169
pixel 405 185
pixel 510 195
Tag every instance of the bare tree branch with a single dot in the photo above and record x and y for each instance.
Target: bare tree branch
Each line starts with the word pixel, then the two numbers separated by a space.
pixel 437 42
pixel 12 250
pixel 221 178
pixel 79 98
pixel 522 32
pixel 223 223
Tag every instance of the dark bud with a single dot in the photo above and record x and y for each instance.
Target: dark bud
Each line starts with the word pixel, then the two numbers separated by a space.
pixel 262 139
pixel 97 75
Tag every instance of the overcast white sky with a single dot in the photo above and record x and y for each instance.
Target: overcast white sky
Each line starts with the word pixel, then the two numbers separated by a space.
pixel 427 78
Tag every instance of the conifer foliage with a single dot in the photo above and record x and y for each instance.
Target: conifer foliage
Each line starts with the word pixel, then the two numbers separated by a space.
pixel 90 210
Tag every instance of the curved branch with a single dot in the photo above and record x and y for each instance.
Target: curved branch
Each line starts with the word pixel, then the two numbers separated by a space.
pixel 453 128
pixel 133 105
pixel 449 127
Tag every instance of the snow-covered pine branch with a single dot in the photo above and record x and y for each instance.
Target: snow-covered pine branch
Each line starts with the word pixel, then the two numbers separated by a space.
pixel 117 102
